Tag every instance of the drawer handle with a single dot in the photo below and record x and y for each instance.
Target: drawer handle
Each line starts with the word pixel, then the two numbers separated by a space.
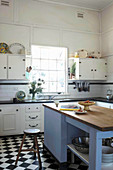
pixel 36 107
pixel 17 110
pixel 33 117
pixel 34 125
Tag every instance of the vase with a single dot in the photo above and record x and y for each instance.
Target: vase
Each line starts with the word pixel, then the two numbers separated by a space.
pixel 33 96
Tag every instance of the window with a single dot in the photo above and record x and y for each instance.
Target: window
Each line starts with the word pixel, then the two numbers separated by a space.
pixel 50 64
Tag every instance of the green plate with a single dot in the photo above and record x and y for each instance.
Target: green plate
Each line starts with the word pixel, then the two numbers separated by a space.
pixel 20 95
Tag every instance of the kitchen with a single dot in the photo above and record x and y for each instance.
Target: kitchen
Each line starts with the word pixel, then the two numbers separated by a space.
pixel 55 24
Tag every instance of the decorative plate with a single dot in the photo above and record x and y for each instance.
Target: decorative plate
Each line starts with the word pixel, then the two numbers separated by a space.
pixel 96 54
pixel 82 53
pixel 16 48
pixel 20 95
pixel 4 48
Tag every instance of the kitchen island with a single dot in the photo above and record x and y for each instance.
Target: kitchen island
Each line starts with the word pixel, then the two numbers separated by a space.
pixel 61 126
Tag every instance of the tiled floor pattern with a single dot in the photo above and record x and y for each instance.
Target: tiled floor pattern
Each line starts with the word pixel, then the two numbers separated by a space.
pixel 9 148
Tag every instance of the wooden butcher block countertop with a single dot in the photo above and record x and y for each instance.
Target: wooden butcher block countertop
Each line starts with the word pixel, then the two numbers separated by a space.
pixel 98 117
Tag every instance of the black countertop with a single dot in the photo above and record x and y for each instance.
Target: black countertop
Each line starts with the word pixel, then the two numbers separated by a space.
pixel 51 101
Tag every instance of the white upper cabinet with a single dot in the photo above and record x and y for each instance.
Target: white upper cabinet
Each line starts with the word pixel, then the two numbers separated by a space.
pixel 90 69
pixel 3 66
pixel 12 67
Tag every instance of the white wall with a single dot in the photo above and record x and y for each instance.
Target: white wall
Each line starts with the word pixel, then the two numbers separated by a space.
pixel 32 22
pixel 107 39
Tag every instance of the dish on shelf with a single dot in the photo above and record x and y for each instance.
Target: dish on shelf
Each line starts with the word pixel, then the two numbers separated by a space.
pixel 86 104
pixel 4 48
pixel 16 48
pixel 20 95
pixel 96 54
pixel 108 166
pixel 81 144
pixel 107 154
pixel 82 53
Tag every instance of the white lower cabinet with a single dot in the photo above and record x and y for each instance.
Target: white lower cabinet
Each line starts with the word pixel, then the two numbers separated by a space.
pixel 10 116
pixel 104 104
pixel 15 118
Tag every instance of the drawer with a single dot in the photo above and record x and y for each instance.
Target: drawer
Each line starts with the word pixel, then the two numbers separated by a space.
pixel 35 108
pixel 32 124
pixel 32 116
pixel 10 109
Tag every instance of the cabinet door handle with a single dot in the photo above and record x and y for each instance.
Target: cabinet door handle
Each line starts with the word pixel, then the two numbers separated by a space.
pixel 91 69
pixel 33 117
pixel 17 110
pixel 36 107
pixel 9 67
pixel 79 75
pixel 4 67
pixel 33 125
pixel 95 70
pixel 0 110
pixel 23 74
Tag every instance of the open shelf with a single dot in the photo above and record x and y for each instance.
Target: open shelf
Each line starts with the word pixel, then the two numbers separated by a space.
pixel 82 156
pixel 85 158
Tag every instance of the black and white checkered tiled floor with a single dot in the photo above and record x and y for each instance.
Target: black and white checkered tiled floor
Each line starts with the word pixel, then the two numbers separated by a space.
pixel 9 148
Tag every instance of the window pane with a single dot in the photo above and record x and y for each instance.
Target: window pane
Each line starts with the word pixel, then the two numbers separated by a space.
pixel 52 76
pixel 44 64
pixel 60 65
pixel 52 86
pixel 44 75
pixel 35 75
pixel 44 53
pixel 52 64
pixel 61 87
pixel 46 87
pixel 61 76
pixel 35 51
pixel 36 64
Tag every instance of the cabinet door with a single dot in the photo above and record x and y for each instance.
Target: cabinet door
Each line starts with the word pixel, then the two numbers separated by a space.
pixel 3 66
pixel 85 69
pixel 10 121
pixel 16 67
pixel 100 69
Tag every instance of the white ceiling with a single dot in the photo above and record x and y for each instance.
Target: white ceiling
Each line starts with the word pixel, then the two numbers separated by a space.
pixel 93 4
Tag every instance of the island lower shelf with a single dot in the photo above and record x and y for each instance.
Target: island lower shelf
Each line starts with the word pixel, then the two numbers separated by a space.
pixel 85 158
pixel 82 156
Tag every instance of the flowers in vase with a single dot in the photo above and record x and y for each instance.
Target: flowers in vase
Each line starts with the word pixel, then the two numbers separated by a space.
pixel 36 87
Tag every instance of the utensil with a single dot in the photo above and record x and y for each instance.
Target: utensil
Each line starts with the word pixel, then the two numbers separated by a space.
pixel 109 94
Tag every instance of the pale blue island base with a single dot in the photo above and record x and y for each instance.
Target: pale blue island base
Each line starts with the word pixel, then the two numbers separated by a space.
pixel 61 126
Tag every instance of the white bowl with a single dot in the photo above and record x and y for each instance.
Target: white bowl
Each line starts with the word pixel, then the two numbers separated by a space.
pixel 107 154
